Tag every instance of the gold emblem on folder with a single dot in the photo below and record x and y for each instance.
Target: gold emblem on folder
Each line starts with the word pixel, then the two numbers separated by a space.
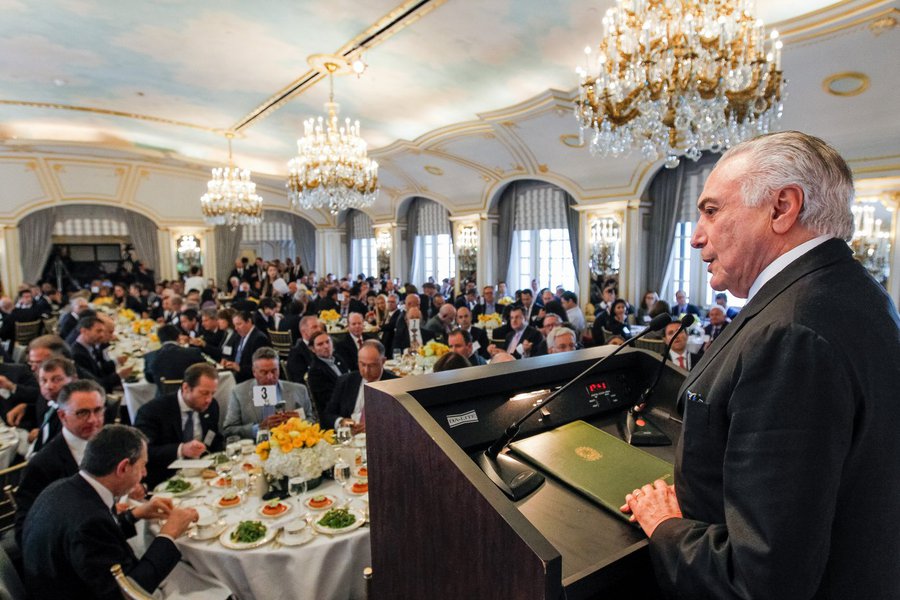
pixel 588 453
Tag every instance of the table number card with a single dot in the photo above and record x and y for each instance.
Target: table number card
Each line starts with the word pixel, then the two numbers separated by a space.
pixel 264 395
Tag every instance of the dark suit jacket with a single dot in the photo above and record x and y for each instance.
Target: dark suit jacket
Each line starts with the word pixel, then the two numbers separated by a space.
pixel 531 334
pixel 318 304
pixel 170 362
pixel 53 462
pixel 27 392
pixel 257 340
pixel 708 329
pixel 689 309
pixel 789 433
pixel 322 380
pixel 104 372
pixel 343 399
pixel 358 306
pixel 298 361
pixel 480 335
pixel 348 351
pixel 160 420
pixel 67 323
pixel 401 334
pixel 213 342
pixel 389 329
pixel 71 540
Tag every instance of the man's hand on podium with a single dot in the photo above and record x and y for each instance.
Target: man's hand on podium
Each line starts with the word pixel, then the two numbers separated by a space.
pixel 651 505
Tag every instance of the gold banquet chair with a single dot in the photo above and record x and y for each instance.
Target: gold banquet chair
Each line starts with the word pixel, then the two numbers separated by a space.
pixel 130 590
pixel 281 342
pixel 9 483
pixel 170 386
pixel 25 332
pixel 658 346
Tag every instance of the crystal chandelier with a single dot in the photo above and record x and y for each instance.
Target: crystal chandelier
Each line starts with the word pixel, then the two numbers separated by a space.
pixel 230 197
pixel 675 77
pixel 332 169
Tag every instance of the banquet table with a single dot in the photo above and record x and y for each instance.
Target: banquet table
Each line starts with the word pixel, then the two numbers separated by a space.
pixel 12 441
pixel 328 567
pixel 141 392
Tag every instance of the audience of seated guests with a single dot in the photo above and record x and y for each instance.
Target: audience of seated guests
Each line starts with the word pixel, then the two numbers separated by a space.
pixel 245 340
pixel 245 416
pixel 70 539
pixel 79 408
pixel 346 406
pixel 183 424
pixel 324 370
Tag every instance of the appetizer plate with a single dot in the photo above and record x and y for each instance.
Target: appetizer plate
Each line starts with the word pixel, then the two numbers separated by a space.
pixel 331 504
pixel 287 508
pixel 359 522
pixel 225 539
pixel 212 532
pixel 195 485
pixel 218 503
pixel 350 490
pixel 221 482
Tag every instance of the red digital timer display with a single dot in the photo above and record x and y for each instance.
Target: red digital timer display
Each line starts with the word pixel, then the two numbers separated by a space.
pixel 597 387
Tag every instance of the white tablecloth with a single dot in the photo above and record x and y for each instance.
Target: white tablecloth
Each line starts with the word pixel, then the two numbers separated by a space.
pixel 142 392
pixel 12 441
pixel 326 568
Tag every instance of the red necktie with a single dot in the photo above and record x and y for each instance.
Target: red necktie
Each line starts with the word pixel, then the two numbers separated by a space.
pixel 681 362
pixel 359 343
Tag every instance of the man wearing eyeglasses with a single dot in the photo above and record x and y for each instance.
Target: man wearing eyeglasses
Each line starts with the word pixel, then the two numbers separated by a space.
pixel 80 407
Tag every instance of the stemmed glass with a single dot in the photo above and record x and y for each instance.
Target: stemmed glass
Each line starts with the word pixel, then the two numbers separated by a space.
pixel 341 471
pixel 344 436
pixel 297 486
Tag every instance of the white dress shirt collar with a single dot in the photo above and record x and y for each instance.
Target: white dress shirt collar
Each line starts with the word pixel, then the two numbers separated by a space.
pixel 782 262
pixel 76 445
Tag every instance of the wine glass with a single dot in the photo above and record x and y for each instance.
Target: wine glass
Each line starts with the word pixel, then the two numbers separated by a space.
pixel 297 486
pixel 341 471
pixel 344 435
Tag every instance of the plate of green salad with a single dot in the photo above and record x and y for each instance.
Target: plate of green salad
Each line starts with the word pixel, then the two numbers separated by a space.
pixel 339 520
pixel 247 535
pixel 177 486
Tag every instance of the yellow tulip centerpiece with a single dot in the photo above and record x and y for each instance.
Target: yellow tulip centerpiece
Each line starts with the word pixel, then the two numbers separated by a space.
pixel 429 353
pixel 297 448
pixel 331 319
pixel 490 322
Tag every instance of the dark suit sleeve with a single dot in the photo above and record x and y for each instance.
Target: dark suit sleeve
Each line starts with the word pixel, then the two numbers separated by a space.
pixel 781 488
pixel 333 408
pixel 94 548
pixel 151 419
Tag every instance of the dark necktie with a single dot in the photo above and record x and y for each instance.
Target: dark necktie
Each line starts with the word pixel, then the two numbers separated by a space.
pixel 681 362
pixel 187 434
pixel 98 358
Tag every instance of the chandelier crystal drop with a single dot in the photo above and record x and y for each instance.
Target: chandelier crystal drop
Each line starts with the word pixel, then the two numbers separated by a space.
pixel 675 77
pixel 230 197
pixel 332 169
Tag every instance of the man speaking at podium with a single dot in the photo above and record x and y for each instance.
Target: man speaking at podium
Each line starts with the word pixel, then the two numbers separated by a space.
pixel 787 472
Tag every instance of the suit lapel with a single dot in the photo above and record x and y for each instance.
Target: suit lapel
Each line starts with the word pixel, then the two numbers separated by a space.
pixel 819 257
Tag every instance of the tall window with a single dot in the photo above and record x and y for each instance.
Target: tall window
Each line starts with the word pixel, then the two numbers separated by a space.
pixel 541 248
pixel 433 254
pixel 363 257
pixel 681 257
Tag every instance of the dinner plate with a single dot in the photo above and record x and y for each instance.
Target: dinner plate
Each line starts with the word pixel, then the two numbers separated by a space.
pixel 349 489
pixel 326 507
pixel 227 506
pixel 281 514
pixel 225 539
pixel 195 485
pixel 359 522
pixel 221 482
pixel 213 532
pixel 297 540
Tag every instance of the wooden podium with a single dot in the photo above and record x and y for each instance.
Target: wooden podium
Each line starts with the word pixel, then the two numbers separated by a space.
pixel 441 529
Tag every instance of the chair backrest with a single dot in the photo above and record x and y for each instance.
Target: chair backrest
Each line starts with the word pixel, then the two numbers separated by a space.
pixel 25 332
pixel 281 342
pixel 130 590
pixel 284 374
pixel 170 386
pixel 658 346
pixel 51 325
pixel 9 483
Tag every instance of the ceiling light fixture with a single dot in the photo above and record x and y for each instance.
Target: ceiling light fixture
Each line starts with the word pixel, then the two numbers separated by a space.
pixel 231 197
pixel 332 169
pixel 676 77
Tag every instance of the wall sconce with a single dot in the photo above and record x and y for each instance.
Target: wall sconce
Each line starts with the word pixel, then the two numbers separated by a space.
pixel 383 243
pixel 871 243
pixel 605 240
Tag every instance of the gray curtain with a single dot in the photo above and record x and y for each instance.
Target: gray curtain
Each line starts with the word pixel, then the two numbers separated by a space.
pixel 304 234
pixel 506 207
pixel 228 245
pixel 412 230
pixel 35 240
pixel 348 225
pixel 573 220
pixel 143 233
pixel 667 194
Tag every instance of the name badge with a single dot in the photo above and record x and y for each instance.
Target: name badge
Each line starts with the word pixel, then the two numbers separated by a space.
pixel 226 349
pixel 106 355
pixel 520 349
pixel 301 413
pixel 476 346
pixel 209 438
pixel 264 395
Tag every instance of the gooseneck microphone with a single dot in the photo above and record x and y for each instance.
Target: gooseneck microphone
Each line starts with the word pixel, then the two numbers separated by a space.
pixel 638 431
pixel 515 479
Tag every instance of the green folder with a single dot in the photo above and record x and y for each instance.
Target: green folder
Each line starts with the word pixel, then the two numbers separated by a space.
pixel 597 464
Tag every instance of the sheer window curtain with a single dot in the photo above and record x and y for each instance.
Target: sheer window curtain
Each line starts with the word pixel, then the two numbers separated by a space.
pixel 432 220
pixel 359 227
pixel 228 245
pixel 144 236
pixel 35 236
pixel 412 231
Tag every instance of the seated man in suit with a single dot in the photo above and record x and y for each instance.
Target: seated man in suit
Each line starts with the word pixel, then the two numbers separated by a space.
pixel 189 323
pixel 20 388
pixel 442 323
pixel 480 340
pixel 171 360
pixel 561 339
pixel 247 341
pixel 246 416
pixel 679 354
pixel 717 322
pixel 460 341
pixel 301 354
pixel 520 332
pixel 88 353
pixel 682 306
pixel 324 371
pixel 53 374
pixel 411 335
pixel 350 344
pixel 80 407
pixel 211 338
pixel 71 537
pixel 69 320
pixel 184 424
pixel 346 408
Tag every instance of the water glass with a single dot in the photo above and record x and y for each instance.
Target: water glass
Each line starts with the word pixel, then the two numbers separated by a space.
pixel 341 471
pixel 344 435
pixel 233 447
pixel 297 486
pixel 398 355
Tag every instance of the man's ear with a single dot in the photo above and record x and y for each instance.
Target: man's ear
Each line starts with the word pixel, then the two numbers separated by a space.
pixel 786 208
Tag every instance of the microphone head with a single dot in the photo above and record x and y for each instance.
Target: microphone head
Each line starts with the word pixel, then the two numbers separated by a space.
pixel 688 320
pixel 659 322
